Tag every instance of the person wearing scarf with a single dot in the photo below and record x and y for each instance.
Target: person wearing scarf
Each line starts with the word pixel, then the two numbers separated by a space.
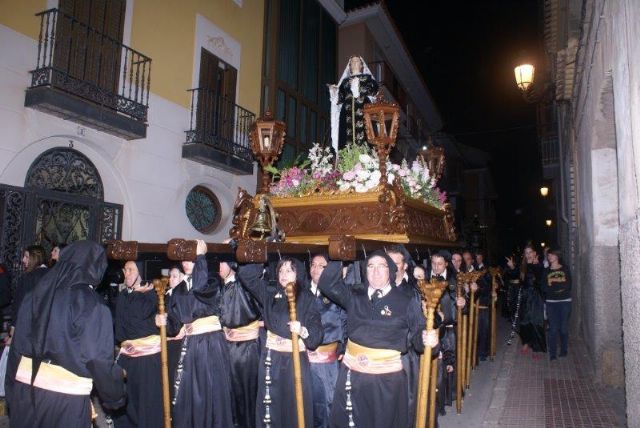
pixel 139 339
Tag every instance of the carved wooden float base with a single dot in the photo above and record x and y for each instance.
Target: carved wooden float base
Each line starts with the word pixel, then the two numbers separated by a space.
pixel 383 215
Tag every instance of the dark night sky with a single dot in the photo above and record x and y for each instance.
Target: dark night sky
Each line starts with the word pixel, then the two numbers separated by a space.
pixel 466 51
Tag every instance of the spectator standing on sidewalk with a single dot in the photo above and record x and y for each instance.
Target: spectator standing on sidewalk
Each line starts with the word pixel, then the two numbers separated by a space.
pixel 557 287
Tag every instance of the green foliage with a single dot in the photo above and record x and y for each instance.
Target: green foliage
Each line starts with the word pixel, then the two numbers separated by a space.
pixel 349 156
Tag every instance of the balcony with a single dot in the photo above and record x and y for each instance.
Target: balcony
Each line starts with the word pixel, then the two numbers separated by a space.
pixel 218 133
pixel 90 78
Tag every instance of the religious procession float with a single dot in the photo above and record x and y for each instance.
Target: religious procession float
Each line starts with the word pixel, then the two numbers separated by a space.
pixel 348 192
pixel 345 198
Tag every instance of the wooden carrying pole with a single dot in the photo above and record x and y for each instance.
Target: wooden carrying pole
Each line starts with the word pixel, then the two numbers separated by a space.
pixel 472 318
pixel 459 349
pixel 430 293
pixel 474 349
pixel 432 393
pixel 295 355
pixel 160 286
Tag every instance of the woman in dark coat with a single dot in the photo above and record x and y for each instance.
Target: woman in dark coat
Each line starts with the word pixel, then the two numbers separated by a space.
pixel 531 316
pixel 276 404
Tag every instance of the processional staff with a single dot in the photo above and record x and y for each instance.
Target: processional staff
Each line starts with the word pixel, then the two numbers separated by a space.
pixel 297 375
pixel 430 293
pixel 459 343
pixel 160 285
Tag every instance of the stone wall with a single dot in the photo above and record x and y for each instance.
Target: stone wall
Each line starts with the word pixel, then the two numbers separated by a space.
pixel 606 125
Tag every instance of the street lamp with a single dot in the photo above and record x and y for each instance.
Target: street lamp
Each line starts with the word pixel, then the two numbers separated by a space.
pixel 544 191
pixel 524 76
pixel 542 244
pixel 548 222
pixel 267 139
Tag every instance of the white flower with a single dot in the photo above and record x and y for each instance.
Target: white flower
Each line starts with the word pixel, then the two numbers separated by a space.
pixel 361 188
pixel 364 159
pixel 375 176
pixel 363 175
pixel 390 178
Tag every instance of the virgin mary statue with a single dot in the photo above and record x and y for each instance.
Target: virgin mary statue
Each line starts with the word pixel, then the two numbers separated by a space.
pixel 356 88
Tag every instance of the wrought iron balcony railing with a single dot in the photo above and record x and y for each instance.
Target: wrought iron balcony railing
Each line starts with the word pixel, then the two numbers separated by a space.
pixel 75 58
pixel 218 122
pixel 549 151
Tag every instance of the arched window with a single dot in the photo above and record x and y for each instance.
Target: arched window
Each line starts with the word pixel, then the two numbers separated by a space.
pixel 65 170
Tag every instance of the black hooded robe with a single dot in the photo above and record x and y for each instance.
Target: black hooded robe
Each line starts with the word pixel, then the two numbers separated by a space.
pixel 135 319
pixel 275 312
pixel 378 400
pixel 73 330
pixel 202 390
pixel 240 309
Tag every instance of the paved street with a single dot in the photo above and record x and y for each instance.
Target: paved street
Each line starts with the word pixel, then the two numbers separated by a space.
pixel 516 391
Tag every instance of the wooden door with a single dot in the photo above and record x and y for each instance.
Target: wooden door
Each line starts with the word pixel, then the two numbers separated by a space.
pixel 88 42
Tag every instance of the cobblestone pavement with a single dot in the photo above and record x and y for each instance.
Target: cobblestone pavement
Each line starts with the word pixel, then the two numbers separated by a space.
pixel 516 391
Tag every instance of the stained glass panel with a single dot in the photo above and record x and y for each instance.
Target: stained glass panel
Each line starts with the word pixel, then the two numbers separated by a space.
pixel 203 209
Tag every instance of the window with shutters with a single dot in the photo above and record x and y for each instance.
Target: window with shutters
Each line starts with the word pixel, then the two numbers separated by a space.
pixel 82 58
pixel 219 130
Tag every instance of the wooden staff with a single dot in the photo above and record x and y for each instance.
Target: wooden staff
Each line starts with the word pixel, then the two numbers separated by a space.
pixel 474 360
pixel 430 293
pixel 465 346
pixel 432 393
pixel 160 286
pixel 471 320
pixel 295 355
pixel 495 272
pixel 459 349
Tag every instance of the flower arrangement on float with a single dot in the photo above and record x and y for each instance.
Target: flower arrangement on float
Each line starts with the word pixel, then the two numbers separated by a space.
pixel 357 170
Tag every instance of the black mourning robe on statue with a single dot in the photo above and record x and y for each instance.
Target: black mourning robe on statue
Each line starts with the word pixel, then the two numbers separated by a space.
pixel 203 397
pixel 275 312
pixel 64 321
pixel 238 309
pixel 135 319
pixel 379 400
pixel 352 113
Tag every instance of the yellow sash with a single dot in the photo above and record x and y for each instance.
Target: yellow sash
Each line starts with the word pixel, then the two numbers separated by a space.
pixel 243 333
pixel 141 347
pixel 54 378
pixel 281 344
pixel 371 360
pixel 203 325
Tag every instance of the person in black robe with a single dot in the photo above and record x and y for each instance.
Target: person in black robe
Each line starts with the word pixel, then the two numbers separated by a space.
pixel 239 316
pixel 276 391
pixel 447 327
pixel 138 336
pixel 202 387
pixel 324 360
pixel 372 387
pixel 410 359
pixel 33 262
pixel 174 341
pixel 531 314
pixel 483 300
pixel 64 336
